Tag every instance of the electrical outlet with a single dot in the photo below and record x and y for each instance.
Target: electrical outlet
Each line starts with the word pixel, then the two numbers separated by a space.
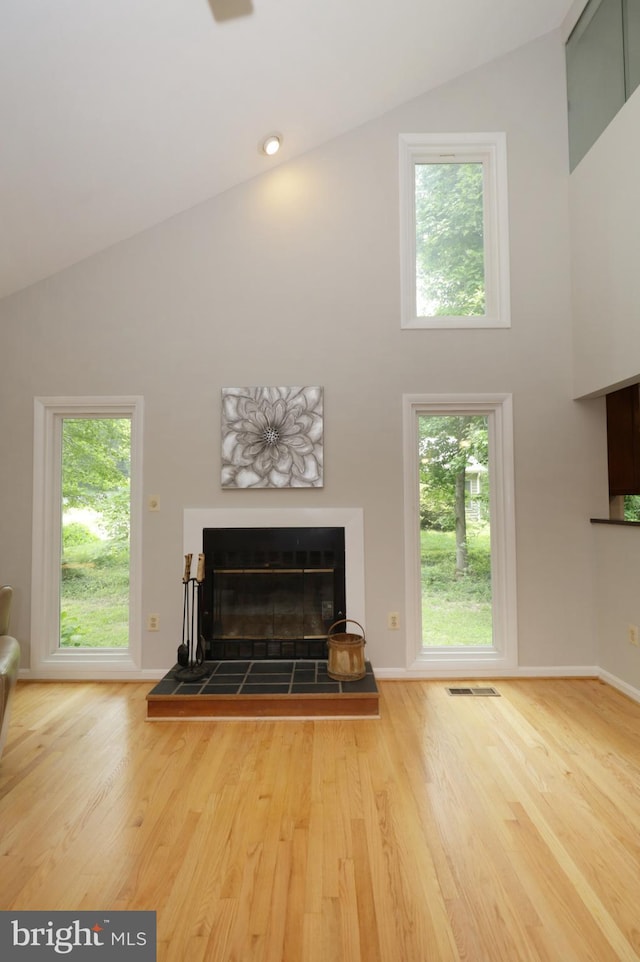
pixel 393 620
pixel 633 635
pixel 153 622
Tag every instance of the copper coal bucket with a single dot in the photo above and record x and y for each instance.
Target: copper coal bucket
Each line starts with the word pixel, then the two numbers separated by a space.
pixel 346 653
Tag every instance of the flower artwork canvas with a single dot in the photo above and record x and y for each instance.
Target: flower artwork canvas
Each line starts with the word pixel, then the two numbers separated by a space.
pixel 272 437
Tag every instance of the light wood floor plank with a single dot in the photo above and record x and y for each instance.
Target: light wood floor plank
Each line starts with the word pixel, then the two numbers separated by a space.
pixel 451 829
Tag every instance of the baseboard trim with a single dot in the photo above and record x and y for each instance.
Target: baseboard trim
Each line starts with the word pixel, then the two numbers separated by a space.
pixel 620 685
pixel 561 671
pixel 89 674
pixel 382 674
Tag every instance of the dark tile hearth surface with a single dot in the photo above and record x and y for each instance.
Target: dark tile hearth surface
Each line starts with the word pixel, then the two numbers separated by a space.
pixel 263 678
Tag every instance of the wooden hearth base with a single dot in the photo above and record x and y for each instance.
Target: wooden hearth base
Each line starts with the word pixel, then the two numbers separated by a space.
pixel 262 706
pixel 263 690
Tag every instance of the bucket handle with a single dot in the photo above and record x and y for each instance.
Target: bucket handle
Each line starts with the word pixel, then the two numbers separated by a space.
pixel 344 621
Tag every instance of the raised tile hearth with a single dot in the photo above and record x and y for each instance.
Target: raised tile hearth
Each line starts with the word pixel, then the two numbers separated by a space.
pixel 261 689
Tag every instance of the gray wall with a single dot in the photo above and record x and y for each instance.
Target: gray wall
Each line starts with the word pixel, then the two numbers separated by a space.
pixel 604 196
pixel 605 232
pixel 617 601
pixel 293 278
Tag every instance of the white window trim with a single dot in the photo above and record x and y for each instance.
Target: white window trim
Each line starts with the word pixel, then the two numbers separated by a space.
pixel 491 150
pixel 503 654
pixel 47 658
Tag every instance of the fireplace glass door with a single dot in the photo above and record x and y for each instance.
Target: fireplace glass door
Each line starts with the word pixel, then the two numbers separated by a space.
pixel 272 604
pixel 272 593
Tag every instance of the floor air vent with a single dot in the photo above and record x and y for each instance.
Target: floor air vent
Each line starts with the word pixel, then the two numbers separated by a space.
pixel 485 692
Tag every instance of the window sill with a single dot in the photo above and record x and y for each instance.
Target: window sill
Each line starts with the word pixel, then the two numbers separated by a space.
pixel 450 323
pixel 626 524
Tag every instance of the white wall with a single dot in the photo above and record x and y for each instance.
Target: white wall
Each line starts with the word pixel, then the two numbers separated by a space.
pixel 604 197
pixel 617 554
pixel 293 278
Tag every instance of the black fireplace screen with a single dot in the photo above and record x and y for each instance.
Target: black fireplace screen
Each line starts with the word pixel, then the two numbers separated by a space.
pixel 271 592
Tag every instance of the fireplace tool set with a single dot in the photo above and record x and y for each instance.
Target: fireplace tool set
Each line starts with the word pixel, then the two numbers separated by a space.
pixel 191 650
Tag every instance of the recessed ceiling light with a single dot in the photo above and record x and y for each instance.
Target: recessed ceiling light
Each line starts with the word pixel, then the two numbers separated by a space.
pixel 271 144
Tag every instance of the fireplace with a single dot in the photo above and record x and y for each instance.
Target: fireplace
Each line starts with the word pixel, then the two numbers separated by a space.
pixel 271 592
pixel 276 579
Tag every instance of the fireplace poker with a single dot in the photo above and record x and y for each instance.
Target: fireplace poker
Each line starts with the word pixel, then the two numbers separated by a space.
pixel 199 580
pixel 192 586
pixel 183 649
pixel 191 656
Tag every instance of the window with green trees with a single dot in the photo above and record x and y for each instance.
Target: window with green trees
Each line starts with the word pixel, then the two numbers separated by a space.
pixel 96 499
pixel 455 530
pixel 454 231
pixel 85 608
pixel 450 278
pixel 459 531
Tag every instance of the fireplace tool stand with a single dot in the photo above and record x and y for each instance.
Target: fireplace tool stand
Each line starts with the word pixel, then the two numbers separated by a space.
pixel 191 651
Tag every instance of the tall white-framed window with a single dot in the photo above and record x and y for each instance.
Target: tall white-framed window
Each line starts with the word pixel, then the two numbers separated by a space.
pixel 499 650
pixel 75 438
pixel 454 231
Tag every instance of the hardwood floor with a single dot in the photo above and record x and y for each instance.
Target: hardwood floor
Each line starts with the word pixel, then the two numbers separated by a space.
pixel 452 828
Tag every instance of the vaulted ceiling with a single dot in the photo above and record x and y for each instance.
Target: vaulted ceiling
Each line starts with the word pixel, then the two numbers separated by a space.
pixel 117 114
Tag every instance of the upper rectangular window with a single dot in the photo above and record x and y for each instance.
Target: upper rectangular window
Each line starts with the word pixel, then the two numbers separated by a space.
pixel 631 28
pixel 595 74
pixel 603 69
pixel 454 231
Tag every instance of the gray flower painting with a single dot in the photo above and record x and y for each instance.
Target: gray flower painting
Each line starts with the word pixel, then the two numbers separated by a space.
pixel 272 437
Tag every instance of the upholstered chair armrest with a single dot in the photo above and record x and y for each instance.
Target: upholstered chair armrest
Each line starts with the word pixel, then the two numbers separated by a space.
pixel 9 661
